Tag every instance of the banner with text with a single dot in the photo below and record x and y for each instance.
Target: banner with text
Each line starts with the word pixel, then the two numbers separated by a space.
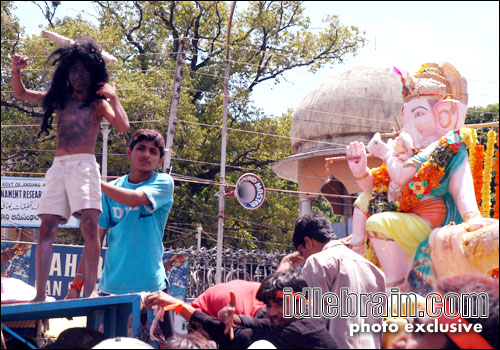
pixel 20 197
pixel 18 261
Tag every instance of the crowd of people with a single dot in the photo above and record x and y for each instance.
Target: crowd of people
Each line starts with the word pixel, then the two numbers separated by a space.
pixel 133 211
pixel 328 265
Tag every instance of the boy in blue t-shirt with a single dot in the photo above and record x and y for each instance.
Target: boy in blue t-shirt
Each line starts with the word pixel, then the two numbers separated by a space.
pixel 135 212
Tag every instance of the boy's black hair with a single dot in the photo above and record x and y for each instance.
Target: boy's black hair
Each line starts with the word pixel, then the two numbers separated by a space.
pixel 277 281
pixel 476 284
pixel 314 226
pixel 149 135
pixel 85 51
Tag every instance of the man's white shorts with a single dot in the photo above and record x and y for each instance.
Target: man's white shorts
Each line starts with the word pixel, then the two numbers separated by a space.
pixel 71 184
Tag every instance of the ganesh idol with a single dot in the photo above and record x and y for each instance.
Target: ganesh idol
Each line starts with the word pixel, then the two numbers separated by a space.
pixel 418 209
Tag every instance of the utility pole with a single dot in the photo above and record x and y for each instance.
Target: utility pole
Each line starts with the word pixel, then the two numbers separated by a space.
pixel 105 134
pixel 176 93
pixel 220 217
pixel 199 228
pixel 104 171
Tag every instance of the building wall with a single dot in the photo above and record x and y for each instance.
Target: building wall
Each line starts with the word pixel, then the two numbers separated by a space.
pixel 316 176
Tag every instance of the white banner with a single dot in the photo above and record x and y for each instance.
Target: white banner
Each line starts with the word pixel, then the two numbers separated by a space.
pixel 20 197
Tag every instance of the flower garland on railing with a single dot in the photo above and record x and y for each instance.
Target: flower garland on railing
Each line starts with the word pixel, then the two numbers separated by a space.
pixel 472 148
pixel 487 174
pixel 477 172
pixel 430 173
pixel 496 207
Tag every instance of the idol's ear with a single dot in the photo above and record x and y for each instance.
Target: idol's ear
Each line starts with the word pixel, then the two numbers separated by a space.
pixel 449 115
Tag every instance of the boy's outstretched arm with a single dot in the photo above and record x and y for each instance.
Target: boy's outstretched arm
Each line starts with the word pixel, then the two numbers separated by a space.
pixel 118 118
pixel 20 62
pixel 125 196
pixel 163 299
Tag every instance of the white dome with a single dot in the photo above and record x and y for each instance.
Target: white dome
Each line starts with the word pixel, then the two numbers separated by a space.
pixel 350 106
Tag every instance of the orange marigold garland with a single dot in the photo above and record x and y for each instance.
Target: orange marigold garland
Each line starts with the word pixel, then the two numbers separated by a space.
pixel 487 174
pixel 380 178
pixel 430 173
pixel 477 172
pixel 425 180
pixel 496 166
pixel 379 201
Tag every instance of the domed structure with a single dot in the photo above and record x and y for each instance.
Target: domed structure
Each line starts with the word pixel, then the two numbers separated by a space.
pixel 350 106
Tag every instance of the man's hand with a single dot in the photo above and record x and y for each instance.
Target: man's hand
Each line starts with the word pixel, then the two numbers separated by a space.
pixel 159 298
pixel 295 258
pixel 290 260
pixel 19 62
pixel 107 90
pixel 226 315
pixel 355 244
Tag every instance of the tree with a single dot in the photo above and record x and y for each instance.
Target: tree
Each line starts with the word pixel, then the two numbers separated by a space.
pixel 49 11
pixel 478 115
pixel 268 39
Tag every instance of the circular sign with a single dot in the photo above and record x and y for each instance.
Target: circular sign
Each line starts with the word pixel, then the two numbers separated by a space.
pixel 250 191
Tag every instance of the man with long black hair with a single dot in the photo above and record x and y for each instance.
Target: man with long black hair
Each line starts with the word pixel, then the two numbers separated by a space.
pixel 77 95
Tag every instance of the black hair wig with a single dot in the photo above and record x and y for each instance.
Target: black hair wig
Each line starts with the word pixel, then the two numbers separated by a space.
pixel 85 51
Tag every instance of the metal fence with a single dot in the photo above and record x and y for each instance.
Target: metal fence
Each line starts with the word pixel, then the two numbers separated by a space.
pixel 253 265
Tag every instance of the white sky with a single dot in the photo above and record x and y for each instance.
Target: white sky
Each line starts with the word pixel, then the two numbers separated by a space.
pixel 400 33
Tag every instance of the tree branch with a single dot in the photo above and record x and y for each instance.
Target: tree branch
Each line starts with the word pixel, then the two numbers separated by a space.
pixel 322 55
pixel 13 105
pixel 212 52
pixel 169 23
pixel 128 32
pixel 47 13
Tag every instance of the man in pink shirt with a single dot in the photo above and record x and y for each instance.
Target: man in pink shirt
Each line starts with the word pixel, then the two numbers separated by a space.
pixel 216 297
